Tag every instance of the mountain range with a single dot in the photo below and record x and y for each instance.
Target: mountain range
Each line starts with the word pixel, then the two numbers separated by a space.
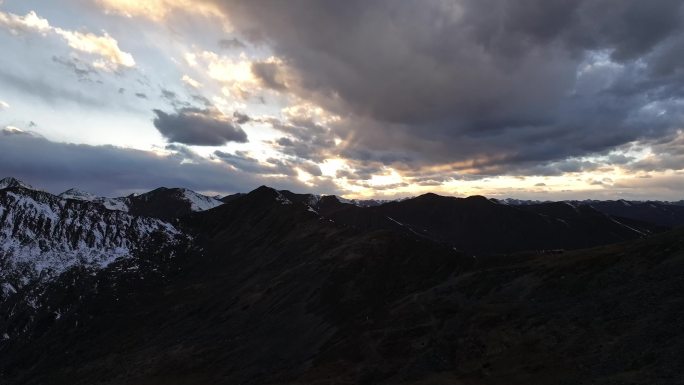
pixel 274 287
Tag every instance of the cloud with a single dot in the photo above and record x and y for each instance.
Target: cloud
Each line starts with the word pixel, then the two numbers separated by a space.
pixel 482 85
pixel 191 82
pixel 243 162
pixel 111 57
pixel 668 186
pixel 115 171
pixel 11 130
pixel 184 152
pixel 270 74
pixel 200 127
pixel 31 22
pixel 664 154
pixel 241 118
pixel 160 10
pixel 4 105
pixel 232 43
pixel 43 89
pixel 307 136
pixel 83 71
pixel 311 168
pixel 241 78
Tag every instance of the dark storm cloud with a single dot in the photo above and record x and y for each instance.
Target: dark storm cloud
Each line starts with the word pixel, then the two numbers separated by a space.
pixel 307 139
pixel 241 118
pixel 270 75
pixel 115 171
pixel 502 83
pixel 183 151
pixel 200 127
pixel 244 162
pixel 361 171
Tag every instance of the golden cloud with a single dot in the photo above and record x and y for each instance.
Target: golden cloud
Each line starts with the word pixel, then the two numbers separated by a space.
pixel 111 57
pixel 105 46
pixel 160 10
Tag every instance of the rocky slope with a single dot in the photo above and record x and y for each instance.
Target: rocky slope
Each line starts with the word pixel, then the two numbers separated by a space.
pixel 43 236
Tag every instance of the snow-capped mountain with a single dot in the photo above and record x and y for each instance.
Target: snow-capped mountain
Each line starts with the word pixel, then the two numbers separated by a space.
pixel 164 203
pixel 43 235
pixel 516 202
pixel 119 204
pixel 77 194
pixel 13 182
pixel 369 202
pixel 170 203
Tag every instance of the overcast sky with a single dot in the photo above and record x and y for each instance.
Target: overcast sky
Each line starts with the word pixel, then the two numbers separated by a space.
pixel 541 99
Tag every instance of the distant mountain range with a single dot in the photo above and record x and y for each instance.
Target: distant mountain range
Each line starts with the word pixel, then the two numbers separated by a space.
pixel 273 287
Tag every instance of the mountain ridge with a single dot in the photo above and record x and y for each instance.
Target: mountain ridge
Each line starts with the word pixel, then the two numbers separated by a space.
pixel 271 292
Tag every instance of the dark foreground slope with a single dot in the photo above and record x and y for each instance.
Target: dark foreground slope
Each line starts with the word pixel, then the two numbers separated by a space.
pixel 273 294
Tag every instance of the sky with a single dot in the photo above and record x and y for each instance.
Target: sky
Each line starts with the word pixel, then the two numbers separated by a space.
pixel 529 99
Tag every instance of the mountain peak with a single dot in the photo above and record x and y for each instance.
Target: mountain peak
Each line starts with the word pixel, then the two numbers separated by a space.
pixel 429 196
pixel 10 182
pixel 74 193
pixel 199 202
pixel 263 188
pixel 265 193
pixel 478 198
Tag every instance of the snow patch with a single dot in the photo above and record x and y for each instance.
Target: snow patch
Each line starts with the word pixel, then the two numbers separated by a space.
pixel 8 289
pixel 313 200
pixel 199 202
pixel 281 198
pixel 118 204
pixel 77 195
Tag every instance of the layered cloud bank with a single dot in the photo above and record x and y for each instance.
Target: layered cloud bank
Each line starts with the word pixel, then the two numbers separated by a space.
pixel 487 84
pixel 526 98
